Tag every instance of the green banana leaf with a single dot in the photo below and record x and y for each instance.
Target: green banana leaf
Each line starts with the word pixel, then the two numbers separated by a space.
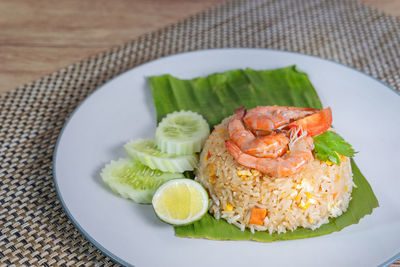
pixel 216 97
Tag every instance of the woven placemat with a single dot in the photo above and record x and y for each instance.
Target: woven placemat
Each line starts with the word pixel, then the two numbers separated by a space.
pixel 34 228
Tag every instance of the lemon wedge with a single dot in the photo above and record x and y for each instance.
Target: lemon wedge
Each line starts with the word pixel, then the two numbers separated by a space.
pixel 180 201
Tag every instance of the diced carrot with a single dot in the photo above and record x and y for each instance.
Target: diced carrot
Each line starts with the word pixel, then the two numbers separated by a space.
pixel 257 216
pixel 334 195
pixel 207 156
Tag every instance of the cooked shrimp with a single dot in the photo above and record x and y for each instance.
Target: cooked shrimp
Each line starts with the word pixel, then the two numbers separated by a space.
pixel 268 118
pixel 270 146
pixel 295 161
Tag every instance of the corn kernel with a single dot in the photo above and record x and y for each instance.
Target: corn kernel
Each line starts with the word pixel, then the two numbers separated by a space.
pixel 345 188
pixel 255 172
pixel 290 210
pixel 222 131
pixel 329 163
pixel 297 198
pixel 311 220
pixel 304 206
pixel 293 194
pixel 309 195
pixel 229 207
pixel 210 167
pixel 342 158
pixel 243 173
pixel 338 177
pixel 288 152
pixel 212 179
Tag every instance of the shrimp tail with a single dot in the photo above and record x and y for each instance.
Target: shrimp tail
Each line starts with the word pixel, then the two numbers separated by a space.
pixel 240 112
pixel 268 118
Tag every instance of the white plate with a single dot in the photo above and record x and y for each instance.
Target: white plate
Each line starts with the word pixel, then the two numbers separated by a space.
pixel 365 111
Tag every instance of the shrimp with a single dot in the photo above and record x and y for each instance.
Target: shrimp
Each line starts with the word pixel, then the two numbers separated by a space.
pixel 270 146
pixel 295 161
pixel 267 118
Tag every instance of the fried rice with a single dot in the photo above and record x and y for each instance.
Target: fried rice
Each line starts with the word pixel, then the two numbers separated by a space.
pixel 306 199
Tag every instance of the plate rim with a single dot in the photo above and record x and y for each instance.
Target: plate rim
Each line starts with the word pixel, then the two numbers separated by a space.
pixel 108 253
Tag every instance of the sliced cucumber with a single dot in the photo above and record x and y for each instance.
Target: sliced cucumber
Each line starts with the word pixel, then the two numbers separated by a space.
pixel 145 151
pixel 133 180
pixel 182 133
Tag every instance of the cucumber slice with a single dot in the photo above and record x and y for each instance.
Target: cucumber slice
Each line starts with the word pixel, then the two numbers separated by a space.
pixel 182 133
pixel 133 180
pixel 145 151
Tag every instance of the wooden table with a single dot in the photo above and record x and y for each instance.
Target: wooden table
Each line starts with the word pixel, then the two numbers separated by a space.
pixel 39 37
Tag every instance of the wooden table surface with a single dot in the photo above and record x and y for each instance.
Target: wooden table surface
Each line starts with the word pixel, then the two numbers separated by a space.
pixel 39 37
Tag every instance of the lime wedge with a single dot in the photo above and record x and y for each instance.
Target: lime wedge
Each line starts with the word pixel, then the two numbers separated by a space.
pixel 180 201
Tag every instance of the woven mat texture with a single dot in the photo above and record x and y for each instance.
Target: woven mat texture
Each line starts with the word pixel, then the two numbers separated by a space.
pixel 34 228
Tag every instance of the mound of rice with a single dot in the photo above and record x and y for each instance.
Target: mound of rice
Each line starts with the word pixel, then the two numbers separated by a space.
pixel 307 199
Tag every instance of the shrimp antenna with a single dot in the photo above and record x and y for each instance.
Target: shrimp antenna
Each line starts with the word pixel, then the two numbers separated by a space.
pixel 296 134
